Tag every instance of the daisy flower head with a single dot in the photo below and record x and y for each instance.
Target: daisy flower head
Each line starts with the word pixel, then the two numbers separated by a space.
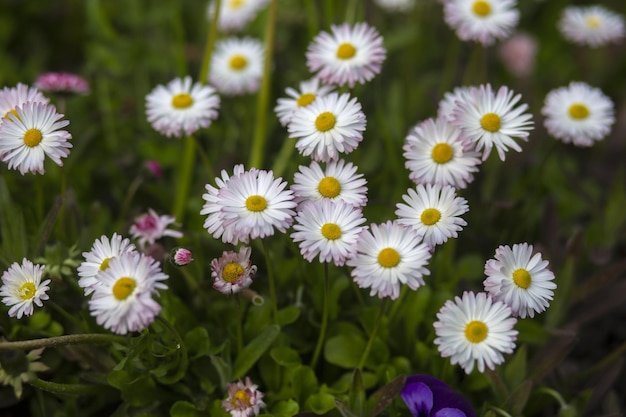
pixel 328 229
pixel 22 287
pixel 244 400
pixel 518 53
pixel 11 97
pixel 31 133
pixel 338 181
pixel 123 302
pixel 348 55
pixel 435 154
pixel 237 66
pixel 388 255
pixel 253 204
pixel 520 280
pixel 234 15
pixel 149 227
pixel 482 21
pixel 181 107
pixel 449 101
pixel 62 82
pixel 490 119
pixel 307 93
pixel 98 258
pixel 475 330
pixel 212 207
pixel 330 125
pixel 233 271
pixel 433 211
pixel 578 114
pixel 592 26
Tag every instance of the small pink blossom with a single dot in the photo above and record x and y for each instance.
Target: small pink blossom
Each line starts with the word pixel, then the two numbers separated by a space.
pixel 233 271
pixel 150 226
pixel 62 82
pixel 182 257
pixel 244 400
pixel 518 54
pixel 155 168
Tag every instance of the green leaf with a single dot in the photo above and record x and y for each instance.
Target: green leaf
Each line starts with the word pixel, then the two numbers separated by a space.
pixel 285 356
pixel 285 408
pixel 320 403
pixel 197 342
pixel 253 351
pixel 344 409
pixel 185 409
pixel 356 394
pixel 382 398
pixel 515 370
pixel 287 315
pixel 304 383
pixel 344 350
pixel 223 369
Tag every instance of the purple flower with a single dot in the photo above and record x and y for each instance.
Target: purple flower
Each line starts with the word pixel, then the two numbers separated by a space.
pixel 426 396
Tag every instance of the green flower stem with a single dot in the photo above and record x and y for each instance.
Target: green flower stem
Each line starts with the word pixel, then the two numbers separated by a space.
pixel 500 411
pixel 284 157
pixel 270 279
pixel 65 389
pixel 498 386
pixel 210 42
pixel 370 342
pixel 313 18
pixel 239 325
pixel 398 303
pixel 184 180
pixel 554 394
pixel 71 339
pixel 181 348
pixel 322 335
pixel 260 131
pixel 329 9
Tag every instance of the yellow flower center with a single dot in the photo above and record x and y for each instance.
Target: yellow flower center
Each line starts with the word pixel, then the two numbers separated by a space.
pixel 481 8
pixel 14 113
pixel 124 287
pixel 522 278
pixel 325 121
pixel 578 111
pixel 490 122
pixel 235 4
pixel 305 99
pixel 593 22
pixel 256 203
pixel 476 331
pixel 241 399
pixel 232 272
pixel 442 153
pixel 32 137
pixel 346 51
pixel 430 216
pixel 329 187
pixel 27 291
pixel 238 62
pixel 388 257
pixel 105 264
pixel 331 231
pixel 182 101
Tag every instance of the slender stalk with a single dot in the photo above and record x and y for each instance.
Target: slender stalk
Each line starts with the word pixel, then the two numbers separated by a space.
pixel 58 388
pixel 498 386
pixel 397 303
pixel 322 335
pixel 270 279
pixel 370 342
pixel 182 350
pixel 184 180
pixel 260 131
pixel 210 42
pixel 313 18
pixel 239 325
pixel 71 339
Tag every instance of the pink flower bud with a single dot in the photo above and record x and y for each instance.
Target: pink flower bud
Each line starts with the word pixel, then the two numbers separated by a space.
pixel 182 256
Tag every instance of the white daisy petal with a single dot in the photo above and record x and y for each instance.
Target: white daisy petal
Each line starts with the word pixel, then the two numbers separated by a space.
pixel 307 93
pixel 237 66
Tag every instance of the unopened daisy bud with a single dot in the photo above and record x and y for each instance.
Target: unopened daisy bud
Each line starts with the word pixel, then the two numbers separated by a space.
pixel 518 54
pixel 155 168
pixel 62 82
pixel 181 256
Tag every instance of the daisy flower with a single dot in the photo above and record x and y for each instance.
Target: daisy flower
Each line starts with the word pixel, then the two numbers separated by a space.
pixel 32 133
pixel 214 223
pixel 308 92
pixel 22 287
pixel 388 255
pixel 233 271
pixel 338 181
pixel 489 120
pixel 475 331
pixel 348 55
pixel 149 227
pixel 578 114
pixel 518 53
pixel 98 258
pixel 62 82
pixel 591 25
pixel 12 97
pixel 520 280
pixel 433 211
pixel 255 203
pixel 235 14
pixel 123 301
pixel 328 229
pixel 181 108
pixel 244 400
pixel 483 21
pixel 329 125
pixel 449 102
pixel 237 66
pixel 435 154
